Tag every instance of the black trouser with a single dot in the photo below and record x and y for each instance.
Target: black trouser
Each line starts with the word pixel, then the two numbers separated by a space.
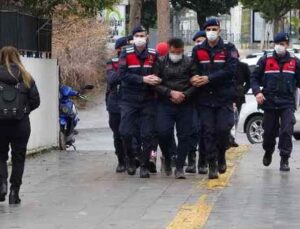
pixel 279 121
pixel 15 134
pixel 168 115
pixel 114 124
pixel 216 123
pixel 138 120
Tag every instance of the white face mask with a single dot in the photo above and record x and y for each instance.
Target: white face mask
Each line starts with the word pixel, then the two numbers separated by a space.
pixel 139 41
pixel 280 49
pixel 175 58
pixel 212 35
pixel 199 43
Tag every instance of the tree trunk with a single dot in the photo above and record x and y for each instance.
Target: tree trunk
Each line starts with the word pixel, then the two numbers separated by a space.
pixel 135 13
pixel 200 19
pixel 163 20
pixel 263 35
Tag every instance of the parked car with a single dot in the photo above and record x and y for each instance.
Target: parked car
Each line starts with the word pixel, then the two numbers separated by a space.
pixel 250 118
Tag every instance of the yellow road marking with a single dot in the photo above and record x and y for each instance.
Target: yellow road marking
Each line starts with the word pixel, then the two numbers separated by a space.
pixel 196 215
pixel 232 155
pixel 192 216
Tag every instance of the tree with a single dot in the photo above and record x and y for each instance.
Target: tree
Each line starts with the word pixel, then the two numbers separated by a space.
pixel 163 16
pixel 272 10
pixel 205 8
pixel 135 13
pixel 48 7
pixel 149 14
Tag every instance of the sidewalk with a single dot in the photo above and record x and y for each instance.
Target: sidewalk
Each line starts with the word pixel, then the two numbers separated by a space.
pixel 260 197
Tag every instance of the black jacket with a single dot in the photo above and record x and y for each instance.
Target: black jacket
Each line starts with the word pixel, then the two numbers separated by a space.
pixel 219 64
pixel 175 76
pixel 279 80
pixel 242 81
pixel 30 96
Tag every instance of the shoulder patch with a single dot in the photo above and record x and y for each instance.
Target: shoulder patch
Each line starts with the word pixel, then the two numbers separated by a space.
pixel 130 49
pixel 150 50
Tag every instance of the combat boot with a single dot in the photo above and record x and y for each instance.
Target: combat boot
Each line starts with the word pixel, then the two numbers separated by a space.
pixel 3 190
pixel 191 168
pixel 284 164
pixel 144 172
pixel 222 165
pixel 179 174
pixel 267 160
pixel 168 167
pixel 14 196
pixel 213 170
pixel 131 167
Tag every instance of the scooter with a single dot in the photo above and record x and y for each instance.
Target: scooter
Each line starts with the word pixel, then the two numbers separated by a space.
pixel 68 115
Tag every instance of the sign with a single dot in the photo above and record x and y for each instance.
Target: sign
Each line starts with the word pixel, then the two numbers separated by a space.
pixel 116 19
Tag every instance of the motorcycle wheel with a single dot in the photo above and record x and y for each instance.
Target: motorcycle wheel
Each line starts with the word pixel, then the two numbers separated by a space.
pixel 62 141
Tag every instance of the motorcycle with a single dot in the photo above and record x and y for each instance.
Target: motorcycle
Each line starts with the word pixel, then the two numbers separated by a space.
pixel 68 115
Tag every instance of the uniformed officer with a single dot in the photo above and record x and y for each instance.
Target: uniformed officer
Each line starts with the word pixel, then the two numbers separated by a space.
pixel 113 95
pixel 137 102
pixel 274 83
pixel 199 37
pixel 217 63
pixel 196 139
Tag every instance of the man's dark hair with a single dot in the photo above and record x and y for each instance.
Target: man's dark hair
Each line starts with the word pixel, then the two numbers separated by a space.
pixel 176 43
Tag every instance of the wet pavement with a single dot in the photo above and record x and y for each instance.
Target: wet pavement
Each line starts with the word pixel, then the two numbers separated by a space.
pixel 70 190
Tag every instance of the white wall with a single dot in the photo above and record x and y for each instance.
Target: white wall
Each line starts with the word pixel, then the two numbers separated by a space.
pixel 44 120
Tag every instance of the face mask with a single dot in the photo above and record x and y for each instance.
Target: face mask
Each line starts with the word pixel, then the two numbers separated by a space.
pixel 199 43
pixel 280 49
pixel 175 58
pixel 212 35
pixel 139 41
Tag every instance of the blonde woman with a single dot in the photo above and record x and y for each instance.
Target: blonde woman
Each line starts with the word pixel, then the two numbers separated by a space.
pixel 18 97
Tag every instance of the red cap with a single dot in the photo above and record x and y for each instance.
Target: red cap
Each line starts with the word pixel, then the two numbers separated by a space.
pixel 162 48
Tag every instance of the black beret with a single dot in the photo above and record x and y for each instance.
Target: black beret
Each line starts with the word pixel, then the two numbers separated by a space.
pixel 280 37
pixel 201 33
pixel 211 22
pixel 122 41
pixel 138 29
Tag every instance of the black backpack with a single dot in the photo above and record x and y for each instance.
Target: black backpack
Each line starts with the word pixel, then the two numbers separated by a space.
pixel 11 103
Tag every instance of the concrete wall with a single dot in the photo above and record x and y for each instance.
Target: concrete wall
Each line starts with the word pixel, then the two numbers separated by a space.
pixel 44 120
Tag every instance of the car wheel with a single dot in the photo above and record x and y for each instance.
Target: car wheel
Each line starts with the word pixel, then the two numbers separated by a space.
pixel 297 136
pixel 254 130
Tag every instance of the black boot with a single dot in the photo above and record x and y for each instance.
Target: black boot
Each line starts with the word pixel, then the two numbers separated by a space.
pixel 131 167
pixel 284 164
pixel 144 172
pixel 267 160
pixel 191 163
pixel 168 167
pixel 179 174
pixel 202 167
pixel 173 161
pixel 121 168
pixel 213 170
pixel 14 196
pixel 3 191
pixel 222 165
